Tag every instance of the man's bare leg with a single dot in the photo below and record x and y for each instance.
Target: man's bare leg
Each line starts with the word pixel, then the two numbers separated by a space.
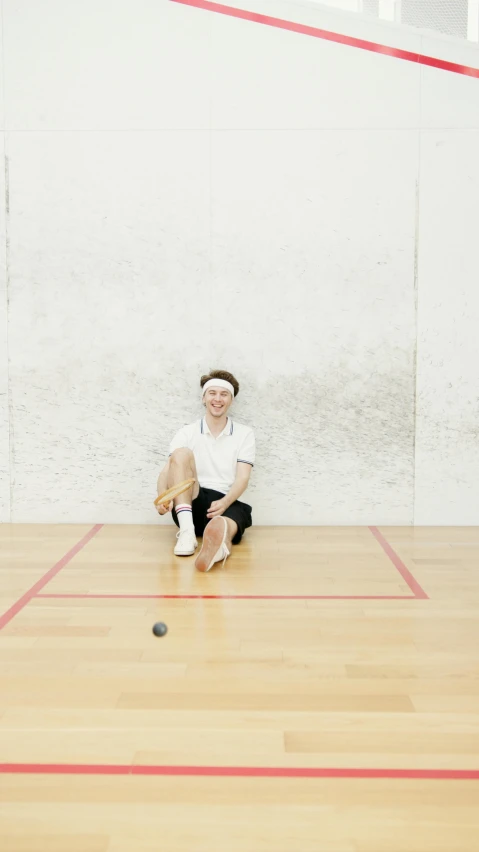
pixel 215 536
pixel 182 466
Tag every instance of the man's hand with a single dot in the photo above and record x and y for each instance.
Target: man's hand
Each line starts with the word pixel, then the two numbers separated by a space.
pixel 163 510
pixel 217 508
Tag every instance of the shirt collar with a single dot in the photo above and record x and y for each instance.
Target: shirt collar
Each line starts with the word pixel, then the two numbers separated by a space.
pixel 228 430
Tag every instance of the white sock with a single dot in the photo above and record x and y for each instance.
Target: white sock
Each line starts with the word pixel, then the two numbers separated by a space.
pixel 184 514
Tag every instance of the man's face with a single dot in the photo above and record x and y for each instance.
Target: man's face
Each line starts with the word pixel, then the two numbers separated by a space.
pixel 217 401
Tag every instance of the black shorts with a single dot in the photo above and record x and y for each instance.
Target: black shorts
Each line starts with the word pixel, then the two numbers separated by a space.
pixel 238 512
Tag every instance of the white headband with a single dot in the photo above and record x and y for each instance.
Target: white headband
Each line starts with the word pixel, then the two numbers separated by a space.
pixel 218 383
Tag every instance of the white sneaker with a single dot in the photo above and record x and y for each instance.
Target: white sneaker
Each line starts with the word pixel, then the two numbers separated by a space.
pixel 220 556
pixel 214 545
pixel 186 544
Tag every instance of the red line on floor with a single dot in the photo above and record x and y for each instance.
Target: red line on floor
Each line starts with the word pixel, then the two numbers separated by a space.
pixel 326 35
pixel 237 597
pixel 237 771
pixel 405 573
pixel 42 582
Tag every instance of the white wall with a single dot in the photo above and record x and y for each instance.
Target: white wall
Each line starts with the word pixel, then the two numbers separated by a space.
pixel 189 191
pixel 4 398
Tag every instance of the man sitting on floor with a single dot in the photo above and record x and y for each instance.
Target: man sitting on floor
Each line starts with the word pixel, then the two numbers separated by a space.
pixel 219 454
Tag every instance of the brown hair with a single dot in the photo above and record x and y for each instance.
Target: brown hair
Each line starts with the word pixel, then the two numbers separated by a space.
pixel 221 374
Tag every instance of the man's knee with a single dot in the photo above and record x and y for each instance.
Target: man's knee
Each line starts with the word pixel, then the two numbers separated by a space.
pixel 182 455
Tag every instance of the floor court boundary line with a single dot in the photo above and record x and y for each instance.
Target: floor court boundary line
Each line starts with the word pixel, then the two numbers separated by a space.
pixel 327 35
pixel 94 596
pixel 405 573
pixel 238 771
pixel 418 592
pixel 25 599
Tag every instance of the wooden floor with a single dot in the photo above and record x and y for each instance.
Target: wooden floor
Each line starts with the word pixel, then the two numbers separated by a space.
pixel 320 693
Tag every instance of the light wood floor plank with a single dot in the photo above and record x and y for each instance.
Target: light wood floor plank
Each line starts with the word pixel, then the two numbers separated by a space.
pixel 384 681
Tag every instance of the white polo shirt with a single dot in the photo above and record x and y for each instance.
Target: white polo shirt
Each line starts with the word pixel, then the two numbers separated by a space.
pixel 216 458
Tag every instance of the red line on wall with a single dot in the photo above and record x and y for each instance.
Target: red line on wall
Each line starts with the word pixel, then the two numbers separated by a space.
pixel 338 38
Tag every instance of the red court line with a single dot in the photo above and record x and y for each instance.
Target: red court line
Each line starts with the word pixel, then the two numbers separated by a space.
pixel 338 38
pixel 405 573
pixel 238 597
pixel 237 771
pixel 42 582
